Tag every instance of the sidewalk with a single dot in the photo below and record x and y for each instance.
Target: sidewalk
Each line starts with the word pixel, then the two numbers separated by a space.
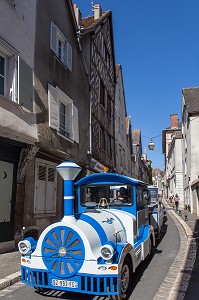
pixel 186 219
pixel 190 224
pixel 9 268
pixel 10 261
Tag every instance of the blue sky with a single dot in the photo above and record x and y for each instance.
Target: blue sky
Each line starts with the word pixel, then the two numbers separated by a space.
pixel 157 44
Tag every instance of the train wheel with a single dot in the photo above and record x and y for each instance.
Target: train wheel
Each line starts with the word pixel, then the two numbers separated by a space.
pixel 151 249
pixel 125 281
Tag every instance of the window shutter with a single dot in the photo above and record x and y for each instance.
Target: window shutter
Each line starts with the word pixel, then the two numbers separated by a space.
pixel 45 187
pixel 53 38
pixel 40 192
pixel 11 91
pixel 51 190
pixel 53 107
pixel 69 56
pixel 65 53
pixel 75 124
pixel 25 79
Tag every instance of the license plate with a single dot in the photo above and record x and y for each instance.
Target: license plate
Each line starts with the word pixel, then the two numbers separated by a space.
pixel 65 283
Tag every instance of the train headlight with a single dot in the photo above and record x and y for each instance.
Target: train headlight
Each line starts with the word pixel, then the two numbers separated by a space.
pixel 107 252
pixel 27 245
pixel 24 246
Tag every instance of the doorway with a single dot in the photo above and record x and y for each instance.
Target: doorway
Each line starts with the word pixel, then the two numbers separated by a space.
pixel 7 200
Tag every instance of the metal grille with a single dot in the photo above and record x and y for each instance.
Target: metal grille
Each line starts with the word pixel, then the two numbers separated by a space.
pixel 34 277
pixel 102 285
pixel 87 284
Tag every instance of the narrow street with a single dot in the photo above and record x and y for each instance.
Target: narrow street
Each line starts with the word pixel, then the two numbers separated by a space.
pixel 147 279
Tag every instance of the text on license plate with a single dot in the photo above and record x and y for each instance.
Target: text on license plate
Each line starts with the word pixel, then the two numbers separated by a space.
pixel 65 283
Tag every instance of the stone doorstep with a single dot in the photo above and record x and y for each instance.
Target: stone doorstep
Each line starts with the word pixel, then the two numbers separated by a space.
pixel 10 279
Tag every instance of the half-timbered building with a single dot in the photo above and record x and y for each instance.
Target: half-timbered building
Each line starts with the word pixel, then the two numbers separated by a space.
pixel 96 38
pixel 123 136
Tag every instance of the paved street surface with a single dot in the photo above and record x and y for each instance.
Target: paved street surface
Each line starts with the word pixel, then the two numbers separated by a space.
pixel 172 274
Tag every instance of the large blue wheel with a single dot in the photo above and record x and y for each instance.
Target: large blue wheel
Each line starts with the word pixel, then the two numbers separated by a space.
pixel 63 251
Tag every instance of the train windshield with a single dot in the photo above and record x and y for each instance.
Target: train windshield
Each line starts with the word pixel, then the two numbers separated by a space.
pixel 118 195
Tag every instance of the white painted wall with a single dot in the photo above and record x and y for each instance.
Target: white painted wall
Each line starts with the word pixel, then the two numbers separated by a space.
pixel 17 29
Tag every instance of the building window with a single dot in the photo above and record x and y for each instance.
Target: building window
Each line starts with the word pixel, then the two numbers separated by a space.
pixel 109 110
pixel 102 139
pixel 2 74
pixel 102 94
pixel 119 125
pixel 124 161
pixel 62 120
pixel 106 56
pixel 60 46
pixel 16 78
pixel 63 114
pixel 109 145
pixel 45 187
pixel 120 156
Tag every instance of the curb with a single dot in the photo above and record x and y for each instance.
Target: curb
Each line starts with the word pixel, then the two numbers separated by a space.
pixel 186 228
pixel 10 279
pixel 178 291
pixel 176 281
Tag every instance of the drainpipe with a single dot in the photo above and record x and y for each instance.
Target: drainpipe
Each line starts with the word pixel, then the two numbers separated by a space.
pixel 89 152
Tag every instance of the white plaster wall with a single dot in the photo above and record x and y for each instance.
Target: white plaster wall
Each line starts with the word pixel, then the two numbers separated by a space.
pixel 17 27
pixel 194 158
pixel 16 122
pixel 194 133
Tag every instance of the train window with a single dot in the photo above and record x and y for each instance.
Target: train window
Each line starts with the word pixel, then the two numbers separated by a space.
pixel 143 197
pixel 154 196
pixel 115 195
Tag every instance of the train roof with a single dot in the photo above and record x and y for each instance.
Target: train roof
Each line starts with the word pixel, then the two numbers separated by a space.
pixel 152 187
pixel 108 178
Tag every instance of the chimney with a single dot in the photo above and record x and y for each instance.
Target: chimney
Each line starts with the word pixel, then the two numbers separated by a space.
pixel 78 15
pixel 97 11
pixel 68 171
pixel 174 121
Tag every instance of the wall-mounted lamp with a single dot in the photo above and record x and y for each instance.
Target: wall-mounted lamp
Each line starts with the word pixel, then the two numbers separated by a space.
pixel 89 155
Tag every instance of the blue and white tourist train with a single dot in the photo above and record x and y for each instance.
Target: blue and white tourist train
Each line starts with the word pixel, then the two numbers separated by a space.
pixel 97 249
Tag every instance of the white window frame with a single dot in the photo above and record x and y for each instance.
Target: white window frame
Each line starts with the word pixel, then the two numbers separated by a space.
pixel 55 97
pixel 3 75
pixel 68 103
pixel 46 208
pixel 56 35
pixel 10 71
